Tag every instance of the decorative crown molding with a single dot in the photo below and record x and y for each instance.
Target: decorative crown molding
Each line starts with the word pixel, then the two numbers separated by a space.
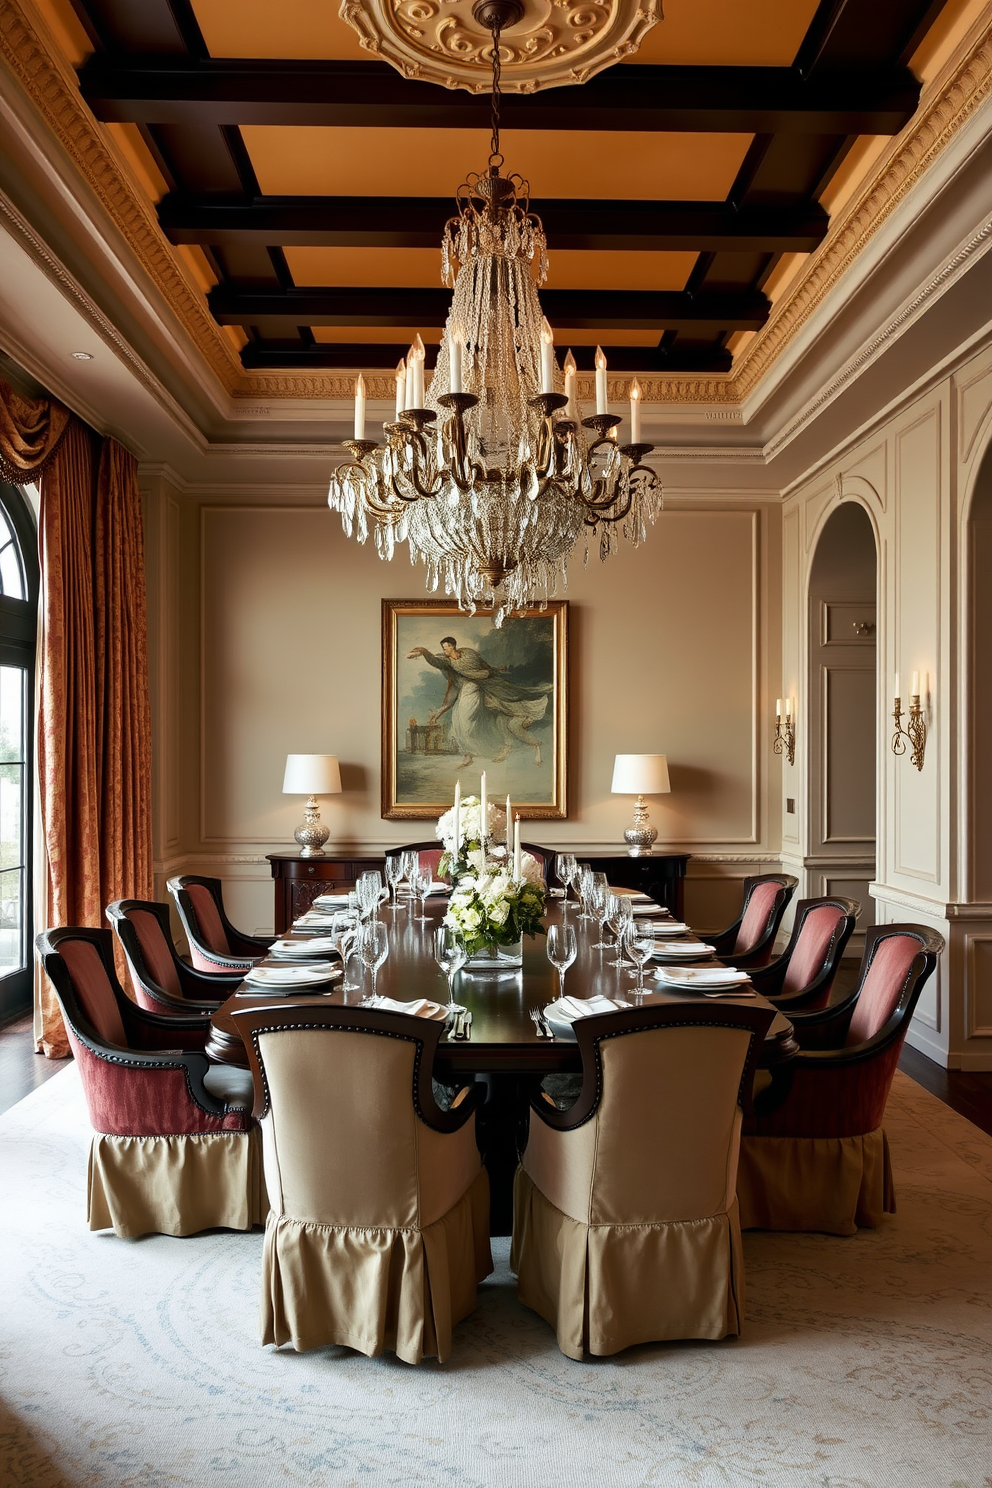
pixel 963 86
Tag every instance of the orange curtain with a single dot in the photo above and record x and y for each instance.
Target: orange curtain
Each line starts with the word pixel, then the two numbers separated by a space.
pixel 94 727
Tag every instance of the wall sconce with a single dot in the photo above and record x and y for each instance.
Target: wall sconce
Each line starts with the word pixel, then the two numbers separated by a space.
pixel 916 728
pixel 785 729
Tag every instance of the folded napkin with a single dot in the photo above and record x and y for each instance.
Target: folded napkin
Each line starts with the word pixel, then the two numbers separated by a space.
pixel 570 1008
pixel 683 949
pixel 314 919
pixel 634 894
pixel 315 945
pixel 329 899
pixel 418 1008
pixel 647 907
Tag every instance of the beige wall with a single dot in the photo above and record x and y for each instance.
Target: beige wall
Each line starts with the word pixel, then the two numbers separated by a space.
pixel 281 652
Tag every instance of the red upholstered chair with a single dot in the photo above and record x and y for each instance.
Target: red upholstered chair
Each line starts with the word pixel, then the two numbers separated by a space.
pixel 818 1159
pixel 750 940
pixel 174 1149
pixel 163 982
pixel 215 946
pixel 803 976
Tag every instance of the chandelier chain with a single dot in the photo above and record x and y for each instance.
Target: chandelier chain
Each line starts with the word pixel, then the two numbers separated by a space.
pixel 495 157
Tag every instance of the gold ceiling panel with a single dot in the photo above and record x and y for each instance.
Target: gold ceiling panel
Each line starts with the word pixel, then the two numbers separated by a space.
pixel 309 160
pixel 760 33
pixel 421 267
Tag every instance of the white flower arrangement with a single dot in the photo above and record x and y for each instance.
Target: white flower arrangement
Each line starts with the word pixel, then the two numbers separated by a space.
pixel 490 907
pixel 470 824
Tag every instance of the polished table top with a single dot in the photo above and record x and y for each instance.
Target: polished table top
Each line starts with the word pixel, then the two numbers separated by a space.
pixel 503 1037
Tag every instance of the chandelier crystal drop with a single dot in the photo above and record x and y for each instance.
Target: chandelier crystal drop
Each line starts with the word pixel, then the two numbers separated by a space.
pixel 492 478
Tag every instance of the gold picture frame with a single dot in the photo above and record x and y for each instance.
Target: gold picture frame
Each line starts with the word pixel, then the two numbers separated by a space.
pixel 460 697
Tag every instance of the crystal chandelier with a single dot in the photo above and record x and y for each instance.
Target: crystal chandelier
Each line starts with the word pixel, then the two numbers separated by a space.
pixel 493 477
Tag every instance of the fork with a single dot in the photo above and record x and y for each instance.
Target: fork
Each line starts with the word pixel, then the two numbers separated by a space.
pixel 539 1024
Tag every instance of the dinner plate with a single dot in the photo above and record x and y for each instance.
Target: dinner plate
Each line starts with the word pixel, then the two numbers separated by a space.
pixel 671 927
pixel 702 978
pixel 649 910
pixel 560 1018
pixel 683 951
pixel 290 978
pixel 299 950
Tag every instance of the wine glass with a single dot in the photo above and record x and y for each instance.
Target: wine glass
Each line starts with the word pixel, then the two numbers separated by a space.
pixel 562 950
pixel 639 942
pixel 450 955
pixel 348 929
pixel 420 886
pixel 375 947
pixel 621 914
pixel 583 883
pixel 564 873
pixel 368 889
pixel 410 859
pixel 599 903
pixel 394 872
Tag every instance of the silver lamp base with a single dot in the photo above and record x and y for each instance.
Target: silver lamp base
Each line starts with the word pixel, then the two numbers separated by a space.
pixel 641 837
pixel 312 834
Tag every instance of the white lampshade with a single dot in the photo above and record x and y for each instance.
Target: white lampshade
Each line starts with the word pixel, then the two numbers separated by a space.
pixel 640 775
pixel 312 775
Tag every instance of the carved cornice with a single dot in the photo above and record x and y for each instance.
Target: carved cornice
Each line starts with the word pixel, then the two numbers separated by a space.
pixel 952 100
pixel 54 92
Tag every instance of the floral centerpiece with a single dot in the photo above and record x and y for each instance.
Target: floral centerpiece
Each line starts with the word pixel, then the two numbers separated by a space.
pixel 491 910
pixel 467 855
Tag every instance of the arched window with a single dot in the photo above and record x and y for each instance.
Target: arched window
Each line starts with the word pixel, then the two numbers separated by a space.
pixel 18 631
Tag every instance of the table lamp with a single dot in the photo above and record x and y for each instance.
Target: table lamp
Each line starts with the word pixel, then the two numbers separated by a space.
pixel 640 775
pixel 312 775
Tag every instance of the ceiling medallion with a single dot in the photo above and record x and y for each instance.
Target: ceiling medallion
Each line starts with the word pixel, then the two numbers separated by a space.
pixel 548 44
pixel 492 476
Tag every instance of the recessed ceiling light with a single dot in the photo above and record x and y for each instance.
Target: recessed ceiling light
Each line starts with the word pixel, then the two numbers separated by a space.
pixel 81 356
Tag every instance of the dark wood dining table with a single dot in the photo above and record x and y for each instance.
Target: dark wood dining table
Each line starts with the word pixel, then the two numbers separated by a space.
pixel 504 1045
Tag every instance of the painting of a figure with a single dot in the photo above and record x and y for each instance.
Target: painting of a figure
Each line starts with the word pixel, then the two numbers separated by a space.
pixel 461 696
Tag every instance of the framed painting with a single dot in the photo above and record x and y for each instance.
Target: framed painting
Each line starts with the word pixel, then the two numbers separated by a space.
pixel 460 697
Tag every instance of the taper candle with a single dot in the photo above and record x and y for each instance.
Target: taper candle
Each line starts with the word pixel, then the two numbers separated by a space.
pixel 458 817
pixel 635 412
pixel 898 694
pixel 509 829
pixel 483 806
pixel 600 381
pixel 516 846
pixel 360 407
pixel 914 691
pixel 571 383
pixel 455 362
pixel 547 357
pixel 400 387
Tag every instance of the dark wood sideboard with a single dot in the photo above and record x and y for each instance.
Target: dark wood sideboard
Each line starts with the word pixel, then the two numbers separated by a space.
pixel 298 880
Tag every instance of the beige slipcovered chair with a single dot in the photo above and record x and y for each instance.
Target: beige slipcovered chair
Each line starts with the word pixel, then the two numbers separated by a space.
pixel 378 1232
pixel 625 1225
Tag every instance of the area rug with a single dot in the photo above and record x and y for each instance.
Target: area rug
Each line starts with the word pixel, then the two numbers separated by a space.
pixel 864 1361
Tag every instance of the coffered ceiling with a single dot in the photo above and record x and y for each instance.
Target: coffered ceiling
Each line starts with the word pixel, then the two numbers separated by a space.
pixel 305 184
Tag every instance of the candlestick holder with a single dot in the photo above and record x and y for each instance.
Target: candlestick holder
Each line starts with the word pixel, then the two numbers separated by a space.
pixel 785 737
pixel 915 730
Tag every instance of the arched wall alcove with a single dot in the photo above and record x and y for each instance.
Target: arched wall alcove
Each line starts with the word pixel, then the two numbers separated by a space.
pixel 841 722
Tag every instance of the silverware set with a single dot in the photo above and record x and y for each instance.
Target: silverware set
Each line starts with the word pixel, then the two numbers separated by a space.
pixel 461 1025
pixel 541 1024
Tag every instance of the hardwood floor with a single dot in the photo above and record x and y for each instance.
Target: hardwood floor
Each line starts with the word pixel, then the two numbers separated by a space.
pixel 970 1094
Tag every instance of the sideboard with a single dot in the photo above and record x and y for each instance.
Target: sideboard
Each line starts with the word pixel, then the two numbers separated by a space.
pixel 299 880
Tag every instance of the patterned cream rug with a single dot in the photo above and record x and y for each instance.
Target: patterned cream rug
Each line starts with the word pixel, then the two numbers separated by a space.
pixel 863 1362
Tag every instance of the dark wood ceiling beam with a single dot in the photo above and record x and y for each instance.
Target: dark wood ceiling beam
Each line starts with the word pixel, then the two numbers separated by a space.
pixel 417 222
pixel 743 100
pixel 285 356
pixel 577 309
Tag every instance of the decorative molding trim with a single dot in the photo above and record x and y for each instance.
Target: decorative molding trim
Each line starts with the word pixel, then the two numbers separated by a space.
pixel 955 96
pixel 54 92
pixel 916 903
pixel 977 245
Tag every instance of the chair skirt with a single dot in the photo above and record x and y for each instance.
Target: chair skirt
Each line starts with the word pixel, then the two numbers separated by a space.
pixel 830 1184
pixel 606 1287
pixel 376 1288
pixel 176 1185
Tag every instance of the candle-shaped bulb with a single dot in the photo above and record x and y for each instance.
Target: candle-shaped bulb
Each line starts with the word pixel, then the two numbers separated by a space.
pixel 547 357
pixel 600 381
pixel 898 691
pixel 915 689
pixel 417 356
pixel 360 407
pixel 400 387
pixel 457 346
pixel 788 707
pixel 571 384
pixel 778 707
pixel 635 412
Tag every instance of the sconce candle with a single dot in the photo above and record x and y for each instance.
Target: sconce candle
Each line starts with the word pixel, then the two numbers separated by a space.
pixel 785 729
pixel 916 725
